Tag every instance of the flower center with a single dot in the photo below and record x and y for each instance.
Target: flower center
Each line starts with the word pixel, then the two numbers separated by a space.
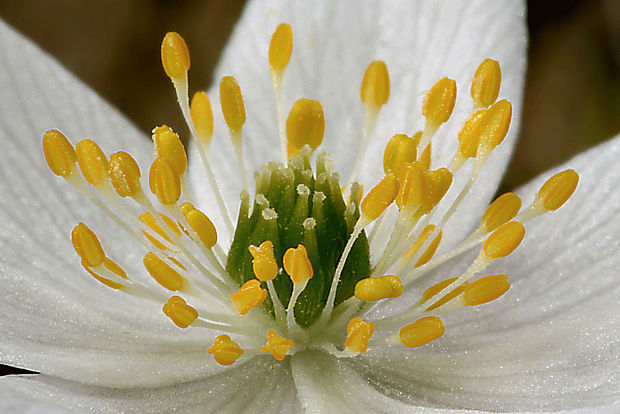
pixel 298 273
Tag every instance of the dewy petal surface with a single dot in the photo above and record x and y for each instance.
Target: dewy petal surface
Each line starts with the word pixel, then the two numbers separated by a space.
pixel 50 321
pixel 552 341
pixel 333 43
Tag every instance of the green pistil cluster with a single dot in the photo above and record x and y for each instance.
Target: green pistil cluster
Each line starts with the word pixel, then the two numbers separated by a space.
pixel 292 206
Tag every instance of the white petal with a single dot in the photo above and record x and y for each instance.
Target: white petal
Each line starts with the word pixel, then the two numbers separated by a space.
pixel 261 385
pixel 552 341
pixel 334 42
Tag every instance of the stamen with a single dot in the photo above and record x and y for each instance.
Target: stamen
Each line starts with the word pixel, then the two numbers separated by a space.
pixel 200 224
pixel 182 314
pixel 299 268
pixel 148 219
pixel 59 153
pixel 558 189
pixel 263 261
pixel 436 185
pixel 249 296
pixel 163 273
pixel 399 151
pixel 504 240
pixel 411 179
pixel 225 351
pixel 421 332
pixel 372 289
pixel 202 118
pixel 175 56
pixel 494 130
pixel 277 345
pixel 233 110
pixel 437 109
pixel 164 182
pixel 87 245
pixel 503 209
pixel 125 174
pixel 469 139
pixel 486 83
pixel 379 198
pixel 305 125
pixel 417 245
pixel 358 335
pixel 112 267
pixel 92 161
pixel 486 289
pixel 168 146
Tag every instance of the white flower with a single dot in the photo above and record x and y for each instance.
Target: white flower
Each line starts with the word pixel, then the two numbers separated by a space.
pixel 550 344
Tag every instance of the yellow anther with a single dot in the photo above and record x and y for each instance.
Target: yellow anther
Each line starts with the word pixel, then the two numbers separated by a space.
pixel 162 272
pixel 186 207
pixel 424 159
pixel 410 192
pixel 249 296
pixel 504 240
pixel 202 226
pixel 164 182
pixel 503 209
pixel 469 135
pixel 202 116
pixel 280 47
pixel 375 90
pixel 439 102
pixel 433 290
pixel 180 312
pixel 148 219
pixel 277 345
pixel 377 288
pixel 305 124
pixel 225 351
pixel 358 335
pixel 380 197
pixel 486 289
pixel 421 332
pixel 417 245
pixel 263 261
pixel 87 245
pixel 436 288
pixel 92 161
pixel 436 185
pixel 297 265
pixel 112 267
pixel 399 150
pixel 168 146
pixel 175 56
pixel 59 153
pixel 558 189
pixel 487 80
pixel 231 101
pixel 124 174
pixel 496 124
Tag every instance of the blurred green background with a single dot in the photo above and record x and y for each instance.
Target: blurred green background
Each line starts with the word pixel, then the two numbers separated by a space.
pixel 572 98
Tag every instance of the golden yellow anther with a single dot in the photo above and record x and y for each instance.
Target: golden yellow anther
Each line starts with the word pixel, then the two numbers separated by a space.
pixel 87 245
pixel 439 102
pixel 112 267
pixel 377 288
pixel 277 345
pixel 168 146
pixel 297 265
pixel 59 153
pixel 504 240
pixel 202 226
pixel 380 197
pixel 358 335
pixel 399 150
pixel 180 312
pixel 202 116
pixel 280 47
pixel 231 101
pixel 92 161
pixel 410 192
pixel 148 219
pixel 124 174
pixel 249 296
pixel 225 351
pixel 558 189
pixel 375 90
pixel 162 272
pixel 487 80
pixel 175 56
pixel 496 124
pixel 419 242
pixel 435 185
pixel 486 289
pixel 469 135
pixel 438 287
pixel 164 182
pixel 263 261
pixel 305 124
pixel 421 332
pixel 503 209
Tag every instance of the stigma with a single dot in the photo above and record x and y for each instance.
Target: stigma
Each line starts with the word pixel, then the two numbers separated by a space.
pixel 291 269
